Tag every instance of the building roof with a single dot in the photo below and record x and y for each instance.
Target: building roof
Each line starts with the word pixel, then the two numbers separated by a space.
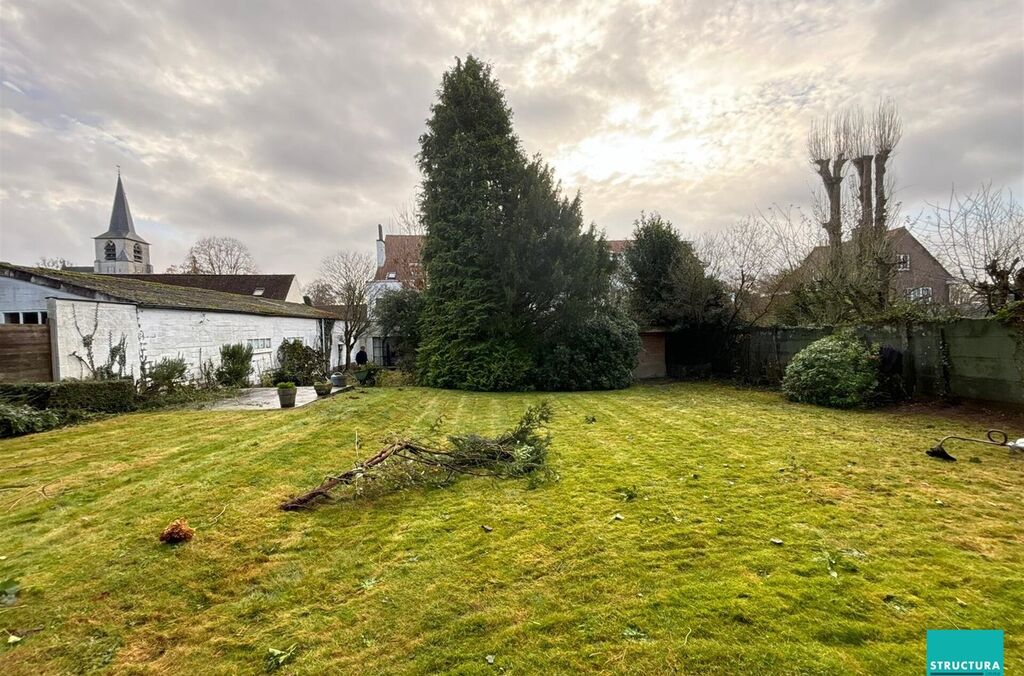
pixel 121 224
pixel 819 254
pixel 404 256
pixel 275 287
pixel 403 260
pixel 122 288
pixel 340 311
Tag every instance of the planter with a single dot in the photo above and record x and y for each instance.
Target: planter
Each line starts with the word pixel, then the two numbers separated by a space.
pixel 338 379
pixel 323 389
pixel 287 397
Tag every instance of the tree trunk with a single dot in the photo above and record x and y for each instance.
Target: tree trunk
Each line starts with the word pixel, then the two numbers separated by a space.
pixel 833 182
pixel 881 212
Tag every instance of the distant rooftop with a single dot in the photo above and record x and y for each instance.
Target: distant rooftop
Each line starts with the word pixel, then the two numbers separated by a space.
pixel 274 287
pixel 128 289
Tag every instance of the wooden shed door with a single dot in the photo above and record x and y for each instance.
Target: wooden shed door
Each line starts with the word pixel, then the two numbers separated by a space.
pixel 25 353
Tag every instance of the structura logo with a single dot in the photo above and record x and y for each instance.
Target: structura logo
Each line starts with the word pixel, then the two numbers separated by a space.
pixel 965 652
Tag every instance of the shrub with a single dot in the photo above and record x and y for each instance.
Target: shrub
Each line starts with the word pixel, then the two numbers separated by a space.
pixel 235 365
pixel 167 374
pixel 299 363
pixel 104 396
pixel 596 354
pixel 17 419
pixel 840 371
pixel 36 395
pixel 394 378
pixel 286 386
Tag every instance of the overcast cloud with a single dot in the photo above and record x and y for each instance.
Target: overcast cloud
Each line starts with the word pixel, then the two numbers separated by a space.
pixel 294 126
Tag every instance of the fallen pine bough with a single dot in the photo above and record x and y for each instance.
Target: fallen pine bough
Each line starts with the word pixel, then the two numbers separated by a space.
pixel 519 451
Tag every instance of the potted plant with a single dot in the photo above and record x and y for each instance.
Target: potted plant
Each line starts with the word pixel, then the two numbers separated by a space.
pixel 338 379
pixel 323 388
pixel 286 393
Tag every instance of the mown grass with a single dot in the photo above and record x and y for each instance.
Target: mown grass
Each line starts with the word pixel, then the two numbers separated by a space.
pixel 880 542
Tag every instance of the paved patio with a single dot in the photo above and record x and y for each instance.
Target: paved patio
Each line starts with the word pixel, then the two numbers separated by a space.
pixel 264 397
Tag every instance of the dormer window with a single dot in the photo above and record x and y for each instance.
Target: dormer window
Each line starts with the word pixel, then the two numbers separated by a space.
pixel 258 291
pixel 902 262
pixel 110 251
pixel 137 252
pixel 392 275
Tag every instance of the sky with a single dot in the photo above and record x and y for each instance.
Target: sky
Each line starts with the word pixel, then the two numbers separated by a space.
pixel 294 126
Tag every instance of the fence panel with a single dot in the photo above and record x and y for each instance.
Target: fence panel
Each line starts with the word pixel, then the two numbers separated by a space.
pixel 25 353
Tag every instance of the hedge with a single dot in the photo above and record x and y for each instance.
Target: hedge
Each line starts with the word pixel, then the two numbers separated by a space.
pixel 101 396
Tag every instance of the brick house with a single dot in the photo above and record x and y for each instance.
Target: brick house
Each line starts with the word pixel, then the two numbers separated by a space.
pixel 917 274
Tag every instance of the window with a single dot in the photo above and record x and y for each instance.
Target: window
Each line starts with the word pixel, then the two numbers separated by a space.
pixel 137 253
pixel 110 251
pixel 258 291
pixel 25 317
pixel 259 343
pixel 392 275
pixel 382 353
pixel 922 294
pixel 902 262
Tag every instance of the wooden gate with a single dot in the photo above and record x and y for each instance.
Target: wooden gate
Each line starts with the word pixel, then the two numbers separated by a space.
pixel 25 353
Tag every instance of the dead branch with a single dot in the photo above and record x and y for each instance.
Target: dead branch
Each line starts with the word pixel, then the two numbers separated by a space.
pixel 521 450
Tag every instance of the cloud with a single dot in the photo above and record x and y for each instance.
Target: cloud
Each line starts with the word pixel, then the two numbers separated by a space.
pixel 295 128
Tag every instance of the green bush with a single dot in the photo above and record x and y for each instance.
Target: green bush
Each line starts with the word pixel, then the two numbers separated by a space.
pixel 840 371
pixel 299 363
pixel 36 395
pixel 394 378
pixel 235 365
pixel 596 354
pixel 286 386
pixel 18 419
pixel 103 396
pixel 167 374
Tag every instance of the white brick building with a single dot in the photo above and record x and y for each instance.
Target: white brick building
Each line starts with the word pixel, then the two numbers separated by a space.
pixel 153 320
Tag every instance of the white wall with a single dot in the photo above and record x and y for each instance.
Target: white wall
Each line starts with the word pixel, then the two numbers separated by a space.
pixel 153 334
pixel 19 296
pixel 71 321
pixel 197 335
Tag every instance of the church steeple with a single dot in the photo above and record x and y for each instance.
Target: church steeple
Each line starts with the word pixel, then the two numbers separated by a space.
pixel 120 249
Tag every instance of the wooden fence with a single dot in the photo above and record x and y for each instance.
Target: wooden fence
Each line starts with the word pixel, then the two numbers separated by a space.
pixel 25 353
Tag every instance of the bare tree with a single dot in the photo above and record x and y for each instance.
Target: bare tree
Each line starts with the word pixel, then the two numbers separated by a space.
pixel 867 268
pixel 405 220
pixel 216 256
pixel 757 258
pixel 319 292
pixel 828 146
pixel 53 263
pixel 347 274
pixel 980 236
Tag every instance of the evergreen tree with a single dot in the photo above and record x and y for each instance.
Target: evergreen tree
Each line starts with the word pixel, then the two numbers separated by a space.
pixel 471 164
pixel 668 285
pixel 511 270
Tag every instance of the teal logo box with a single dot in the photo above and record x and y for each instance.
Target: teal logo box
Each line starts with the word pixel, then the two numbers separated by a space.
pixel 974 652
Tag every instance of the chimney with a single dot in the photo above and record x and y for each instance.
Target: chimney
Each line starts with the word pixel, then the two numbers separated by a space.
pixel 380 246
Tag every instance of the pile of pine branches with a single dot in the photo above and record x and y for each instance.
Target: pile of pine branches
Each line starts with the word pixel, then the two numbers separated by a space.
pixel 519 451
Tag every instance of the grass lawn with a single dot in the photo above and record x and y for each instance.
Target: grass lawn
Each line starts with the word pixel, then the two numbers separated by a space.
pixel 880 542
